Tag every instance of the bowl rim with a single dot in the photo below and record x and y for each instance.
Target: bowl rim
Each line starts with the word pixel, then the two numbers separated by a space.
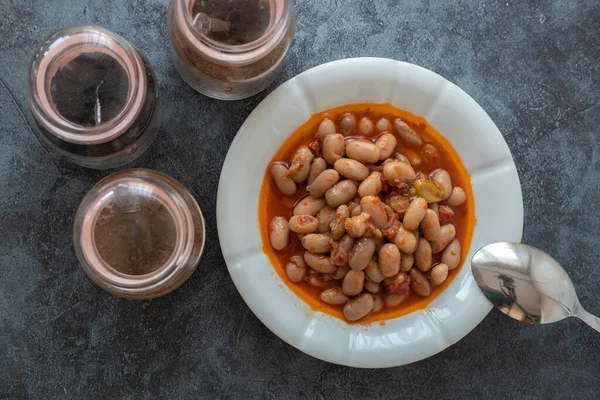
pixel 433 323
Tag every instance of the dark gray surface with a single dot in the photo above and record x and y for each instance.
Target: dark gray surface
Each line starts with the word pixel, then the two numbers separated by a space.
pixel 533 66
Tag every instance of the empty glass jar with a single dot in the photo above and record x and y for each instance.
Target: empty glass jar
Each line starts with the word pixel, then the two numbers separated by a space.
pixel 139 234
pixel 93 97
pixel 230 49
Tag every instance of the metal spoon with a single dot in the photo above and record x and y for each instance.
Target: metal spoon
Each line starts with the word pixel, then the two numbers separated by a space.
pixel 527 284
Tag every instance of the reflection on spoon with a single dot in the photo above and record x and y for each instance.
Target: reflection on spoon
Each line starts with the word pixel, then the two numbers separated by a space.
pixel 527 284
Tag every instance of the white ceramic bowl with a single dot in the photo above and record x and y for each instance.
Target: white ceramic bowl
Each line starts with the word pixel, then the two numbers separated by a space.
pixel 453 113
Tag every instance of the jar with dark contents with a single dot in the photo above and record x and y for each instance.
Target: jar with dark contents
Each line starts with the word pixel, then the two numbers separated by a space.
pixel 230 49
pixel 139 234
pixel 93 97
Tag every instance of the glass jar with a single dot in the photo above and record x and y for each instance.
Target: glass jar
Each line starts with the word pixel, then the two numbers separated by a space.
pixel 230 49
pixel 139 234
pixel 93 97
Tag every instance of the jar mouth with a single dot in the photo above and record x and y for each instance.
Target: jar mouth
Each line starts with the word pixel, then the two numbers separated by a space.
pixel 141 188
pixel 223 53
pixel 63 47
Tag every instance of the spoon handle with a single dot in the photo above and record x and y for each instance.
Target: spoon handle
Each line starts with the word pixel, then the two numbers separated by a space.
pixel 588 318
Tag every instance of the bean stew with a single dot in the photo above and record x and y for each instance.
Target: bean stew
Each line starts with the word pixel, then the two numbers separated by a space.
pixel 366 212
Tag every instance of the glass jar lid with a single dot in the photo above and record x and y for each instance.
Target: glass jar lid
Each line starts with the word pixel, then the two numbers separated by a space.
pixel 139 233
pixel 86 85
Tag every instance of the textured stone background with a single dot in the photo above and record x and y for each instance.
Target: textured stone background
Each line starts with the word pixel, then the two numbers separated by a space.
pixel 534 66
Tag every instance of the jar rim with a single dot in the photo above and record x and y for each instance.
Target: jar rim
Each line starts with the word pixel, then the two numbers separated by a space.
pixel 66 44
pixel 168 193
pixel 238 55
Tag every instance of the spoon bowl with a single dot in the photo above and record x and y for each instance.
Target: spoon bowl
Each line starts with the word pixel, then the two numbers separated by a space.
pixel 527 284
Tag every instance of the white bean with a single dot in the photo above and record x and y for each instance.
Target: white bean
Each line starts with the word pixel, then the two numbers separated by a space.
pixel 316 167
pixel 418 283
pixel 341 272
pixel 357 226
pixel 386 144
pixel 416 160
pixel 405 132
pixel 351 169
pixel 362 252
pixel 323 183
pixel 430 154
pixel 373 272
pixel 325 217
pixel 389 259
pixel 423 256
pixel 365 126
pixel 280 233
pixel 447 233
pixel 417 234
pixel 414 214
pixel 405 240
pixel 452 254
pixel 348 124
pixel 430 226
pixel 283 180
pixel 393 300
pixel 377 303
pixel 333 148
pixel 442 180
pixel 318 280
pixel 457 197
pixel 338 226
pixel 371 186
pixel 438 274
pixel 342 192
pixel 435 208
pixel 402 158
pixel 326 127
pixel 372 287
pixel 373 206
pixel 300 166
pixel 303 223
pixel 319 262
pixel 384 125
pixel 379 242
pixel 309 206
pixel 359 307
pixel 295 269
pixel 334 296
pixel 354 204
pixel 374 232
pixel 353 283
pixel 363 150
pixel 341 249
pixel 317 242
pixel 397 173
pixel 407 261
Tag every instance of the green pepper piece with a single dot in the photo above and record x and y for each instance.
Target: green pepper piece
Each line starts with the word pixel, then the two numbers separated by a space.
pixel 427 190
